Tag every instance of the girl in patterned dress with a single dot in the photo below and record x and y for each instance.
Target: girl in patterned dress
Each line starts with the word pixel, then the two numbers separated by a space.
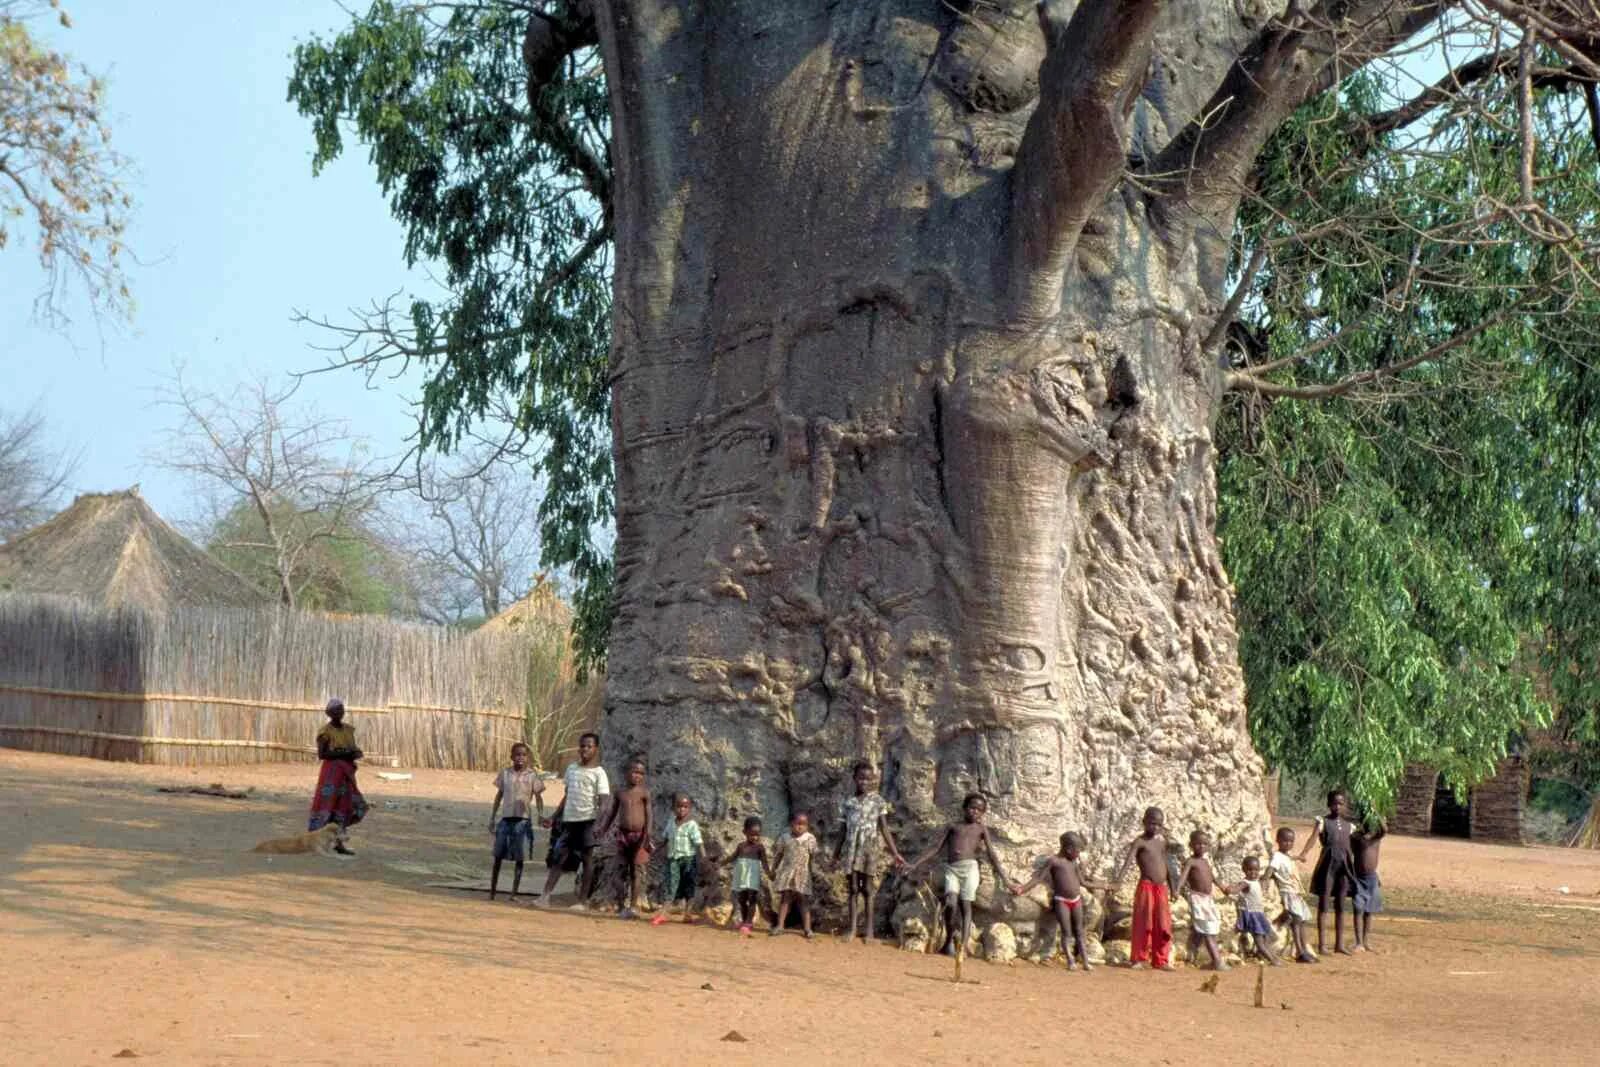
pixel 862 845
pixel 791 877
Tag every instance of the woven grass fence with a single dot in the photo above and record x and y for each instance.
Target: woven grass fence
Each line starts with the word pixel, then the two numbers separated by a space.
pixel 228 685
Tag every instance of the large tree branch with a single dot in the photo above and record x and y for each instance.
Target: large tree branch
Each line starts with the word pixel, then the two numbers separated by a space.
pixel 1294 58
pixel 549 40
pixel 1448 88
pixel 1074 147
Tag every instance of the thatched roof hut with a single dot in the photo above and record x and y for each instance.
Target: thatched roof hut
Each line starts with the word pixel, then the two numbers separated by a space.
pixel 541 611
pixel 112 549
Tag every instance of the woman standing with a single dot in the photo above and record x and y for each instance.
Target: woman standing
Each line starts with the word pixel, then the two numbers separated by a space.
pixel 337 800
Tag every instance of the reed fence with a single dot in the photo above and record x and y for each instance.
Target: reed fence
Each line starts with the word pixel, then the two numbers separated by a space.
pixel 188 685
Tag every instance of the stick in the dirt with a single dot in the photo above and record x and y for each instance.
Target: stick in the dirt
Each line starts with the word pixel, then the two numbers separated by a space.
pixel 1261 985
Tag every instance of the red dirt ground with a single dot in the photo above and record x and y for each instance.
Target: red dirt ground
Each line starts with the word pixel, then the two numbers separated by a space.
pixel 135 920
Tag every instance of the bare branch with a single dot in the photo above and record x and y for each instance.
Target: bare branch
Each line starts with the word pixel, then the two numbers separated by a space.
pixel 1244 381
pixel 301 477
pixel 1075 145
pixel 1525 113
pixel 550 38
pixel 32 474
pixel 1219 329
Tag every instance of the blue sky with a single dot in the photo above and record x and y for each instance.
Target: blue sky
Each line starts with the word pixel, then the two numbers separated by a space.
pixel 232 231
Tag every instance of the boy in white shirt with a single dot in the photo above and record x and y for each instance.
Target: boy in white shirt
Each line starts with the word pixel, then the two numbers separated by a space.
pixel 1286 876
pixel 588 794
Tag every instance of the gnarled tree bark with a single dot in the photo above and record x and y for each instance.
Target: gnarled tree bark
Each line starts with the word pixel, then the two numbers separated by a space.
pixel 912 413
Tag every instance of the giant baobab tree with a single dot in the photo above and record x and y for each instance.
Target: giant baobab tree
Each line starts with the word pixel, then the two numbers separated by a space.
pixel 915 369
pixel 922 316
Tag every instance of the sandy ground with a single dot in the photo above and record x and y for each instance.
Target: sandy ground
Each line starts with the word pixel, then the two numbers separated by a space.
pixel 132 920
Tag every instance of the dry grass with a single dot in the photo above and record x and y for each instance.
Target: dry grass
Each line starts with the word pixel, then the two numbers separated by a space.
pixel 558 706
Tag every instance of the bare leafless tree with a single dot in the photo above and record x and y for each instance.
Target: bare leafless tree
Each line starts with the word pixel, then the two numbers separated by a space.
pixel 467 525
pixel 307 480
pixel 32 473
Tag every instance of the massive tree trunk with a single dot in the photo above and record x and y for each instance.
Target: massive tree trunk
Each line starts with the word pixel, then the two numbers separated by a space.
pixel 912 413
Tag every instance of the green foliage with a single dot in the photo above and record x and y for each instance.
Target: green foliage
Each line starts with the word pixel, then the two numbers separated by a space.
pixel 484 185
pixel 1412 558
pixel 349 572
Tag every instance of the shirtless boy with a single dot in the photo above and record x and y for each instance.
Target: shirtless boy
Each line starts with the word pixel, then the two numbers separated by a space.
pixel 1152 908
pixel 631 815
pixel 1199 881
pixel 960 843
pixel 1067 883
pixel 1365 845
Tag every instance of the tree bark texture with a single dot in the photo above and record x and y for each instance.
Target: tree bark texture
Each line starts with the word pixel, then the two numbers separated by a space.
pixel 912 418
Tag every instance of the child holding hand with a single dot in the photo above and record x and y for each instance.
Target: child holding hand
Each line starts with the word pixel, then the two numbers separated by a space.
pixel 1067 882
pixel 1253 910
pixel 792 878
pixel 1199 883
pixel 749 859
pixel 685 853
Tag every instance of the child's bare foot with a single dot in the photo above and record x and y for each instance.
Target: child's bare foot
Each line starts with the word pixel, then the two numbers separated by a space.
pixel 1275 962
pixel 868 939
pixel 808 935
pixel 1085 967
pixel 1341 950
pixel 1220 966
pixel 1306 957
pixel 774 932
pixel 1138 965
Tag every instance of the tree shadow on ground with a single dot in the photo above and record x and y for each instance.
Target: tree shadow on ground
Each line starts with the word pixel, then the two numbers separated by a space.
pixel 121 862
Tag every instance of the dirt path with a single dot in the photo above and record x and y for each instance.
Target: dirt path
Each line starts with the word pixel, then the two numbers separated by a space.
pixel 137 920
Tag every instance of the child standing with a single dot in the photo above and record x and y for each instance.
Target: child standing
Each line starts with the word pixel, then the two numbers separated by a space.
pixel 749 861
pixel 685 852
pixel 1152 911
pixel 862 841
pixel 1152 907
pixel 518 793
pixel 588 790
pixel 960 844
pixel 792 877
pixel 1199 883
pixel 634 820
pixel 1286 876
pixel 1365 845
pixel 1253 910
pixel 1334 877
pixel 1067 883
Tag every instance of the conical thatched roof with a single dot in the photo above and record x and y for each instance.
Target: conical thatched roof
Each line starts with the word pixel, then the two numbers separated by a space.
pixel 542 610
pixel 112 548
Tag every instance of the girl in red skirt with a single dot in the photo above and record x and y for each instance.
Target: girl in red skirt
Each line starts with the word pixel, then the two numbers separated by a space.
pixel 337 800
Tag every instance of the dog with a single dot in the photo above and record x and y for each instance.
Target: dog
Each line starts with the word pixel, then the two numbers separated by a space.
pixel 318 841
